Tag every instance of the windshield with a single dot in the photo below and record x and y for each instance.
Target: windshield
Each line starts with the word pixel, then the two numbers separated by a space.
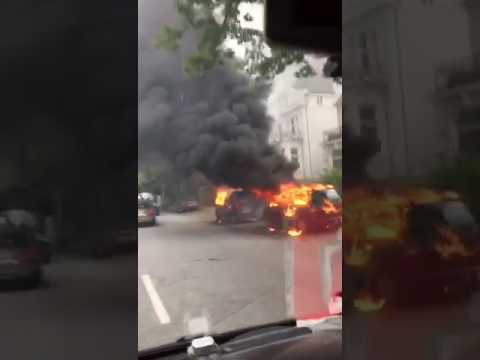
pixel 216 127
pixel 145 204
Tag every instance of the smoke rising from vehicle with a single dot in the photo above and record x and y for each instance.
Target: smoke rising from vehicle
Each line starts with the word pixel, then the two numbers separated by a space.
pixel 217 124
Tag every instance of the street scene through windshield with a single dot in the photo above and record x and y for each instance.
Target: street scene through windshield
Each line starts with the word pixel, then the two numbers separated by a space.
pixel 240 158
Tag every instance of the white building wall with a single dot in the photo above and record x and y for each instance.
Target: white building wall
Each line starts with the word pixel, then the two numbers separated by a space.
pixel 403 76
pixel 312 114
pixel 320 118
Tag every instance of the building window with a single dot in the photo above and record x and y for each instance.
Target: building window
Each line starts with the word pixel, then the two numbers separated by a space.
pixel 294 130
pixel 368 122
pixel 319 100
pixel 294 155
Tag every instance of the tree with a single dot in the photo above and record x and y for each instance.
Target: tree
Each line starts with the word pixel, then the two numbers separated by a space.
pixel 333 177
pixel 220 20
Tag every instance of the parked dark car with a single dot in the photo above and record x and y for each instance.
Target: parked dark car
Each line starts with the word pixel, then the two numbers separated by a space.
pixel 187 206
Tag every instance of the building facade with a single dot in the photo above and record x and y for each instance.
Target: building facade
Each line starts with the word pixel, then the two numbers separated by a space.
pixel 306 114
pixel 390 79
pixel 458 88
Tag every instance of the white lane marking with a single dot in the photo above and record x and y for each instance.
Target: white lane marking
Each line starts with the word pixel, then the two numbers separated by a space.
pixel 157 303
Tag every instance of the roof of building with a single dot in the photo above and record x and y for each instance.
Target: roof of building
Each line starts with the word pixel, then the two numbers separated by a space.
pixel 316 84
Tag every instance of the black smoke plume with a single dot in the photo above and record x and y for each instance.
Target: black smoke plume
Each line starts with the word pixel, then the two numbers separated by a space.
pixel 217 124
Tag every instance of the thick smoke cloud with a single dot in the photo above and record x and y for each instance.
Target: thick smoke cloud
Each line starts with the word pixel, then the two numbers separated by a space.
pixel 217 125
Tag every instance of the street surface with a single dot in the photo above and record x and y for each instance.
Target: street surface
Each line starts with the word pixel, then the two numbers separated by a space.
pixel 195 276
pixel 431 332
pixel 87 304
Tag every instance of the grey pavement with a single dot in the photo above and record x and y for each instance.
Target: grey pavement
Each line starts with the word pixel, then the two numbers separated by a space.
pixel 209 277
pixel 215 278
pixel 85 310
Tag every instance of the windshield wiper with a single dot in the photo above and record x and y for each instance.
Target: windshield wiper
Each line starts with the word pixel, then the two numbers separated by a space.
pixel 182 343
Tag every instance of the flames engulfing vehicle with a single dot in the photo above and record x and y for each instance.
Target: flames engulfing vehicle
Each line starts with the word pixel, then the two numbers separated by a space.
pixel 299 209
pixel 238 205
pixel 394 236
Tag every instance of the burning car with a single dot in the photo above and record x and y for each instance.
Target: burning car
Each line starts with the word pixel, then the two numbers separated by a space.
pixel 410 241
pixel 304 208
pixel 237 205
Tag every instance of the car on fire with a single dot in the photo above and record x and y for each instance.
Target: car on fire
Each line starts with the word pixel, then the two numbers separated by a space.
pixel 400 246
pixel 238 206
pixel 300 209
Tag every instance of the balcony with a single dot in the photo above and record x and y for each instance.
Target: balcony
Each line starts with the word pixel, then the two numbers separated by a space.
pixel 460 75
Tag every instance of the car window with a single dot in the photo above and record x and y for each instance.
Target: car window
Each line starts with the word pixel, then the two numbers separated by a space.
pixel 332 195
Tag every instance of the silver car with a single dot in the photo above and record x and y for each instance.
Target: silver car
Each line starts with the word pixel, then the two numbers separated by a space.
pixel 147 214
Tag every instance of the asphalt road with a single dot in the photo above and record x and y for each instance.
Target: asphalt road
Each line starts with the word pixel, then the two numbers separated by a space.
pixel 195 276
pixel 84 310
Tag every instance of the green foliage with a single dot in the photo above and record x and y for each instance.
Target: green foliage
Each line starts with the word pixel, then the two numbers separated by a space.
pixel 333 177
pixel 203 17
pixel 168 38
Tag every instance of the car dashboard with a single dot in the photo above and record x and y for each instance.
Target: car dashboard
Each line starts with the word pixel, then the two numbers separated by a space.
pixel 321 340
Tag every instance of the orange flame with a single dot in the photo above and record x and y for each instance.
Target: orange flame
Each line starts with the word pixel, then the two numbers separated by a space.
pixel 222 195
pixel 290 211
pixel 330 208
pixel 295 195
pixel 294 232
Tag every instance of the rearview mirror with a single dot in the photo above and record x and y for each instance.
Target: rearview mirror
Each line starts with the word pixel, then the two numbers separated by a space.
pixel 305 24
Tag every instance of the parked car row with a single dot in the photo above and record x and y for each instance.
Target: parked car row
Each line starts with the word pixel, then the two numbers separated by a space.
pixel 148 210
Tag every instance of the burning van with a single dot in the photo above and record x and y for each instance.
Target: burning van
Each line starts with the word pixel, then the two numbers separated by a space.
pixel 303 208
pixel 399 243
pixel 238 205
